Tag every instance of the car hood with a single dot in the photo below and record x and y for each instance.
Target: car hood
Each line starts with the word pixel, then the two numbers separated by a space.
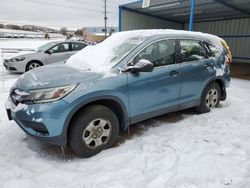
pixel 53 76
pixel 25 54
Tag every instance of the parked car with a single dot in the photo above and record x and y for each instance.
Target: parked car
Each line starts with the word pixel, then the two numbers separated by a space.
pixel 138 76
pixel 52 52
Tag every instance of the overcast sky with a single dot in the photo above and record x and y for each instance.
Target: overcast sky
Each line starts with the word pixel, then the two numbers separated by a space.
pixel 57 13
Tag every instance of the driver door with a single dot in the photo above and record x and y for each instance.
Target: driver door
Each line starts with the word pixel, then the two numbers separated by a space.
pixel 58 53
pixel 157 92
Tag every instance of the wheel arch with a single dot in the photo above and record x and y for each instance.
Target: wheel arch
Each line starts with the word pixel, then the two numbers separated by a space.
pixel 220 82
pixel 37 61
pixel 113 103
pixel 222 85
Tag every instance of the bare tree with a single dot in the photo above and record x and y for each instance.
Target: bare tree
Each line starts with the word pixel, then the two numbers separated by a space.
pixel 64 31
pixel 46 36
pixel 13 26
pixel 79 32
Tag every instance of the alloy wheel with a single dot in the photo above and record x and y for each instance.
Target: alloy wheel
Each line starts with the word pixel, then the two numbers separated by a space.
pixel 33 65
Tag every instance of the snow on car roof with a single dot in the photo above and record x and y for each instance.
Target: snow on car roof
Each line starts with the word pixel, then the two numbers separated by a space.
pixel 100 58
pixel 172 32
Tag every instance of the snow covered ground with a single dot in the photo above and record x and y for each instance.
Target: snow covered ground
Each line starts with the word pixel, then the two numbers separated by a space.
pixel 178 150
pixel 14 47
pixel 26 34
pixel 24 43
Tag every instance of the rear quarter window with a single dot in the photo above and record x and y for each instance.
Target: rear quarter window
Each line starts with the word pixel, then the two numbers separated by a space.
pixel 192 50
pixel 78 46
pixel 213 51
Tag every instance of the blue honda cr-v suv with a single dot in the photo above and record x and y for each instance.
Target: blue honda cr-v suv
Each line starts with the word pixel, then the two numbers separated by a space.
pixel 130 77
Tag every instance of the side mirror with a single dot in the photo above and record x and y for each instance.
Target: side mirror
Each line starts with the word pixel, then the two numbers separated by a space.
pixel 50 51
pixel 143 65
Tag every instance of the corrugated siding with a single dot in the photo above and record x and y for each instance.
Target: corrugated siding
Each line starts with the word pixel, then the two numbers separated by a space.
pixel 132 20
pixel 236 32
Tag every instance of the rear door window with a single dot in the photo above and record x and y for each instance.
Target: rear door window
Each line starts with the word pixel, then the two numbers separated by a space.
pixel 77 46
pixel 192 50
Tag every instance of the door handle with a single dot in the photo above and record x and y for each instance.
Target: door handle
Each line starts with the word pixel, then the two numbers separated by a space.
pixel 174 73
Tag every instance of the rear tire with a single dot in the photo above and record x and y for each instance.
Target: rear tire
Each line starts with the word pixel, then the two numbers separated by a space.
pixel 93 130
pixel 210 98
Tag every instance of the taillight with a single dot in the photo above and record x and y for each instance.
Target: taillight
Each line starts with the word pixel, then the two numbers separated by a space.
pixel 228 61
pixel 229 54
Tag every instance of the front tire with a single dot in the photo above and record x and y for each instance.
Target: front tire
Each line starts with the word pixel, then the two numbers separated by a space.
pixel 210 98
pixel 93 130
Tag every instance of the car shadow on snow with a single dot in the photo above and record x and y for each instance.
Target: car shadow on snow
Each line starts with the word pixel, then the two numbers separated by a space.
pixel 51 152
pixel 139 128
pixel 6 75
pixel 48 151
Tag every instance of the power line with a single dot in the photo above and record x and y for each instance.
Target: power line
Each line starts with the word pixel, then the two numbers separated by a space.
pixel 72 5
pixel 87 2
pixel 90 2
pixel 63 6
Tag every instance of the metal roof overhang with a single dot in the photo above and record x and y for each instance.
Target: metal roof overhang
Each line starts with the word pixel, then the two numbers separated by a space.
pixel 205 10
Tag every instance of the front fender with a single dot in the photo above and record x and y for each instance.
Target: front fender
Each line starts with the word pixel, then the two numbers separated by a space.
pixel 87 99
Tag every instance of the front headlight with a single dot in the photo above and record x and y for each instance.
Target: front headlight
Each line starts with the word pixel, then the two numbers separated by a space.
pixel 15 59
pixel 50 94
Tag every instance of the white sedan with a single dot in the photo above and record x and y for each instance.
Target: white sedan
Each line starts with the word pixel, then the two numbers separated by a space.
pixel 52 52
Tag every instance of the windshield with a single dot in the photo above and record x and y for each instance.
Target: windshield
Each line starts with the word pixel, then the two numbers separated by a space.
pixel 123 49
pixel 45 47
pixel 106 54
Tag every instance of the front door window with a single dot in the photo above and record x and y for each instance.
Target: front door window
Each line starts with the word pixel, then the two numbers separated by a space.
pixel 63 47
pixel 159 53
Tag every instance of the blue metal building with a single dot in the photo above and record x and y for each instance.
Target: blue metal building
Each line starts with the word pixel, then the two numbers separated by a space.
pixel 229 19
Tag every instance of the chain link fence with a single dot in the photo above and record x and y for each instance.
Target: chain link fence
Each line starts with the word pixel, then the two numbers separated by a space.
pixel 2 75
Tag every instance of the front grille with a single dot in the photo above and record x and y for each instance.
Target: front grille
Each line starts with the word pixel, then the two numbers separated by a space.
pixel 12 68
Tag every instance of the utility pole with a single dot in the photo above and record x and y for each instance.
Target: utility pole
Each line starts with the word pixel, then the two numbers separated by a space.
pixel 105 17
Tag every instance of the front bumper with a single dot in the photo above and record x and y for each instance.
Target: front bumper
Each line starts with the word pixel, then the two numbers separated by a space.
pixel 14 66
pixel 43 121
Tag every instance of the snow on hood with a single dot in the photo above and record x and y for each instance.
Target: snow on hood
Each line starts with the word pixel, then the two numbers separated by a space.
pixel 53 76
pixel 102 56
